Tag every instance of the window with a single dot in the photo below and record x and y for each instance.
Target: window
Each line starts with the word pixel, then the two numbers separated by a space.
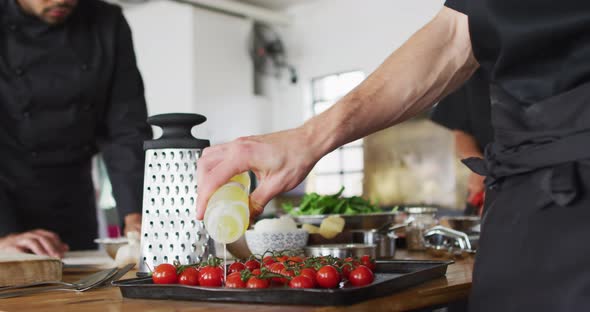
pixel 344 166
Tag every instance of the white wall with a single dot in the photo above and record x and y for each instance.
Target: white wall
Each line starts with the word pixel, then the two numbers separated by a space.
pixel 196 61
pixel 331 36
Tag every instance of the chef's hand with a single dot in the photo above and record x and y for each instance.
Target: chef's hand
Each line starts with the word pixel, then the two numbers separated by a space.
pixel 132 223
pixel 280 161
pixel 475 186
pixel 39 241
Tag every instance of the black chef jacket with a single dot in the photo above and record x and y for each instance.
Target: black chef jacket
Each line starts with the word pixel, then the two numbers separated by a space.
pixel 537 55
pixel 67 92
pixel 468 109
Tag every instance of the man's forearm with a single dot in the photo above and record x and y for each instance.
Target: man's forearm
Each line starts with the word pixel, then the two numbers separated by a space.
pixel 432 63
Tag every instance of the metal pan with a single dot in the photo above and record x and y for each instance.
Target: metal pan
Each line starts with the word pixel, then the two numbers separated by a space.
pixel 365 221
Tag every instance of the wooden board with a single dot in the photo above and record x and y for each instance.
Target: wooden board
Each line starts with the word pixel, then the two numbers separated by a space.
pixel 21 268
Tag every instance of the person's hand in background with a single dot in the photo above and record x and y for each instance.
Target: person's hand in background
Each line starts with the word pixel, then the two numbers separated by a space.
pixel 132 223
pixel 475 186
pixel 39 242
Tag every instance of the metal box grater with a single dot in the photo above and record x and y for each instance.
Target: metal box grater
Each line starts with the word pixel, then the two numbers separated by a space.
pixel 170 230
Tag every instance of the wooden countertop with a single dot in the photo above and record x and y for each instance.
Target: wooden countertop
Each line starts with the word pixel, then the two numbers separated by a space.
pixel 454 286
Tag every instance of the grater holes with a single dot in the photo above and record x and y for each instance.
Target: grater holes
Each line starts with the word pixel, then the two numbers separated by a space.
pixel 159 167
pixel 167 190
pixel 177 166
pixel 171 178
pixel 156 235
pixel 166 235
pixel 181 155
pixel 163 178
pixel 172 223
pixel 153 201
pixel 188 259
pixel 171 247
pixel 162 201
pixel 177 258
pixel 194 166
pixel 181 222
pixel 155 259
pixel 155 155
pixel 182 247
pixel 177 189
pixel 188 212
pixel 152 224
pixel 193 247
pixel 191 177
pixel 147 211
pixel 162 224
pixel 154 178
pixel 203 249
pixel 165 258
pixel 192 200
pixel 145 235
pixel 186 189
pixel 178 215
pixel 167 212
pixel 144 259
pixel 198 236
pixel 185 166
pixel 187 235
pixel 158 190
pixel 157 212
pixel 199 258
pixel 160 247
pixel 150 247
pixel 177 235
pixel 163 155
pixel 190 155
pixel 172 200
pixel 182 201
pixel 167 167
pixel 172 155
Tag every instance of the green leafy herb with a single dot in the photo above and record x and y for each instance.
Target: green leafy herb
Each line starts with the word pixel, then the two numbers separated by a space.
pixel 315 204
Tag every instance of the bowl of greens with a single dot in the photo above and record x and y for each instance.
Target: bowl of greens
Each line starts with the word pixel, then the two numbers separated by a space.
pixel 357 212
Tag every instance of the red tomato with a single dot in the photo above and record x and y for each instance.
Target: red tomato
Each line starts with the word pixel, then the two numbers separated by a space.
pixel 347 268
pixel 256 272
pixel 282 258
pixel 211 276
pixel 309 273
pixel 268 260
pixel 361 276
pixel 328 277
pixel 234 280
pixel 189 276
pixel 277 268
pixel 295 259
pixel 165 273
pixel 286 272
pixel 255 282
pixel 252 265
pixel 368 262
pixel 301 282
pixel 236 267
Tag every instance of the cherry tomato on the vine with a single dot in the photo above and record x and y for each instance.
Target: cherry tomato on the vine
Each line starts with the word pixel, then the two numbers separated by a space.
pixel 301 282
pixel 328 277
pixel 236 267
pixel 255 282
pixel 211 276
pixel 252 265
pixel 368 262
pixel 165 273
pixel 189 276
pixel 361 276
pixel 234 280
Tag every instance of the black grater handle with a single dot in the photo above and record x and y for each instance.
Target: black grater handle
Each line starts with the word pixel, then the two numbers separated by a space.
pixel 176 131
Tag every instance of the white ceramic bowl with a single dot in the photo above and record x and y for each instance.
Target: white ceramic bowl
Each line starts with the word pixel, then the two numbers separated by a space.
pixel 112 245
pixel 261 242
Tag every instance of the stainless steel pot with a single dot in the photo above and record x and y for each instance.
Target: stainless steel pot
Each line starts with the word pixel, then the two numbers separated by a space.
pixel 384 242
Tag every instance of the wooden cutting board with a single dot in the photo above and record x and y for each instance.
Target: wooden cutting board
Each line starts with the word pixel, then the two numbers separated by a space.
pixel 22 268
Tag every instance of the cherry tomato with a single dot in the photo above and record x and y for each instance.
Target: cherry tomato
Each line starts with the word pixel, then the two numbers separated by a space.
pixel 211 276
pixel 328 277
pixel 309 273
pixel 234 280
pixel 255 282
pixel 282 258
pixel 286 272
pixel 189 276
pixel 277 268
pixel 368 262
pixel 256 272
pixel 296 259
pixel 346 268
pixel 268 261
pixel 236 267
pixel 301 282
pixel 361 276
pixel 252 265
pixel 165 273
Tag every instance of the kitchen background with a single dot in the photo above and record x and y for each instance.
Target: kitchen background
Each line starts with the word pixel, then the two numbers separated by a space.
pixel 197 56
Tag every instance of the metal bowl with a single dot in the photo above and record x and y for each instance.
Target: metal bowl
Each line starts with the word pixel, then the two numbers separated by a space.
pixel 364 221
pixel 341 250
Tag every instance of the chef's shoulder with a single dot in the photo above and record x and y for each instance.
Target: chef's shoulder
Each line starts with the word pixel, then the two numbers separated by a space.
pixel 101 11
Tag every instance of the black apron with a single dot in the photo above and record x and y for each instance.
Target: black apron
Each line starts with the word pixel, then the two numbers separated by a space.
pixel 533 254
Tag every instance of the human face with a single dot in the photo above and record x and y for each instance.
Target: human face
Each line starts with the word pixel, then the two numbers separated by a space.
pixel 50 11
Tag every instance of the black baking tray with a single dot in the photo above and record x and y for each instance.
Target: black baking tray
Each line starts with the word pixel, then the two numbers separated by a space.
pixel 390 277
